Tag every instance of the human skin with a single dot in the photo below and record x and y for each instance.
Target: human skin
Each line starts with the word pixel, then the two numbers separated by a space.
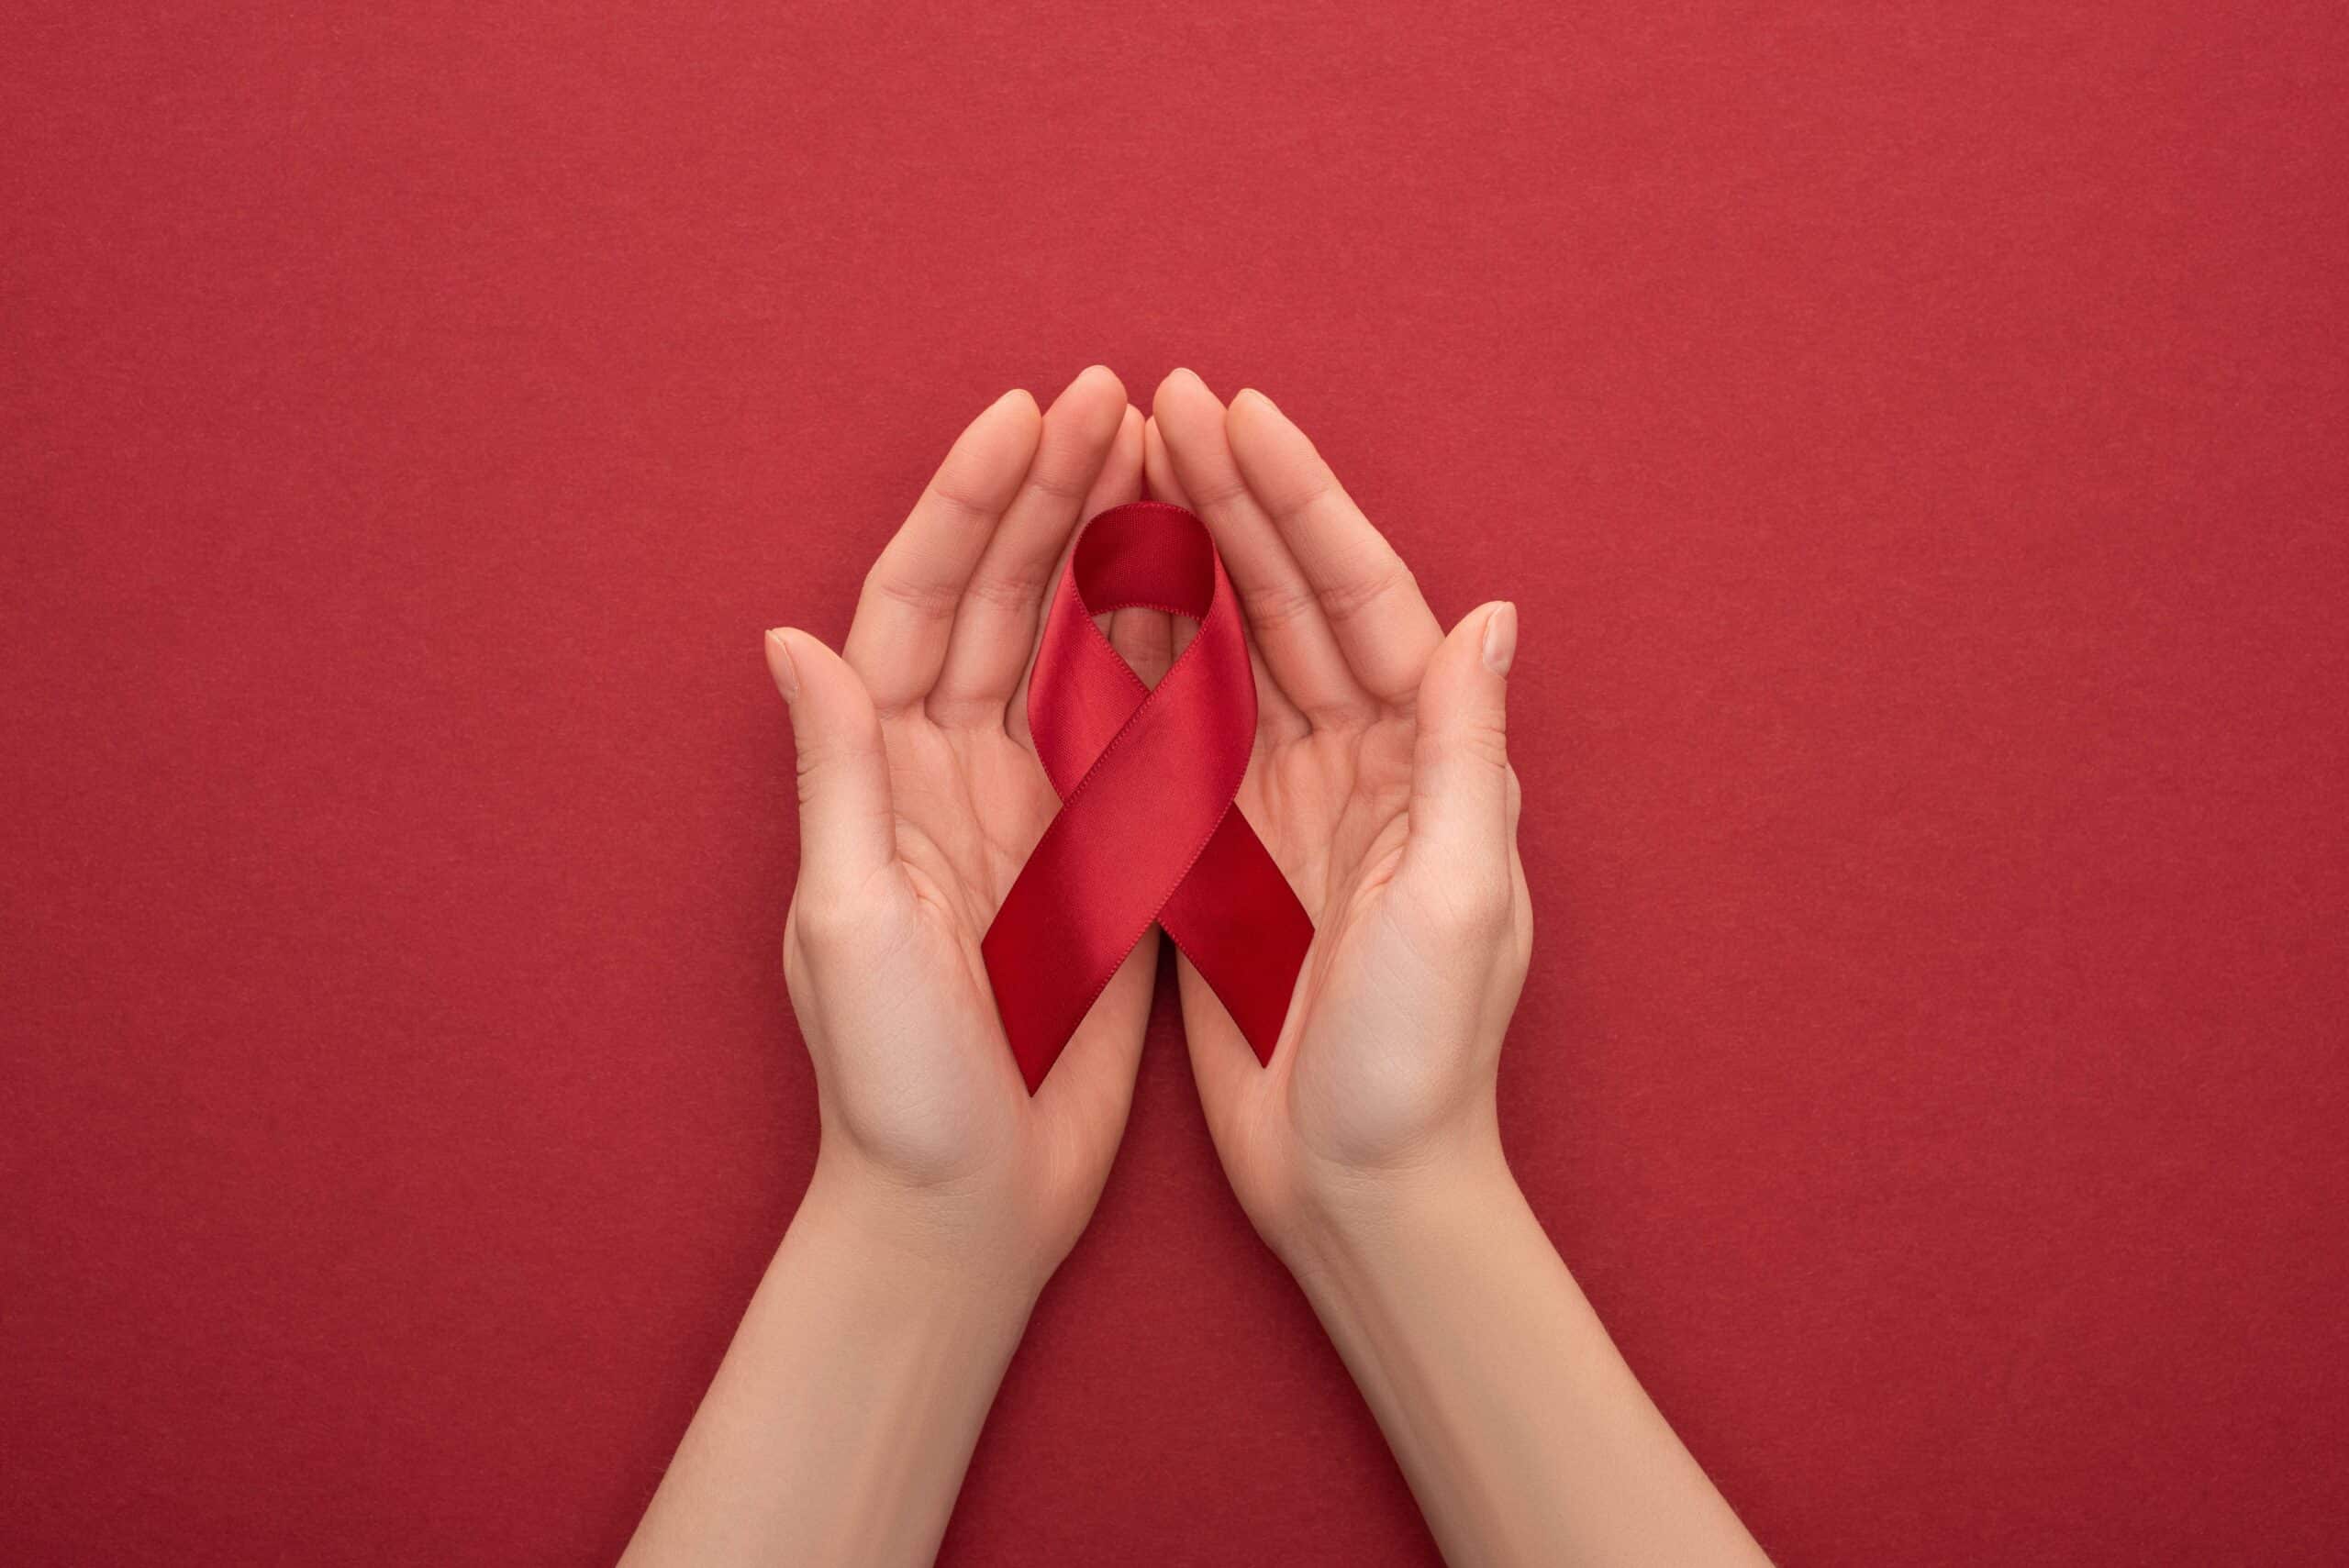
pixel 839 1426
pixel 1367 1154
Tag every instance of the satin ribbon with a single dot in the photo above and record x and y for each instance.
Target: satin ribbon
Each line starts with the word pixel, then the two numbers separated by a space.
pixel 1147 832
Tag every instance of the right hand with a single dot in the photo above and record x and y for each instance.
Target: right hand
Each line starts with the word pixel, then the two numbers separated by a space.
pixel 920 794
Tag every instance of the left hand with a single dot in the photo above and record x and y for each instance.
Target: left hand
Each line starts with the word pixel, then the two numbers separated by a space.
pixel 1380 782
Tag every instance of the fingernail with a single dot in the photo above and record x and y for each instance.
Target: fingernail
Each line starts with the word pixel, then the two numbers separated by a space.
pixel 1172 377
pixel 779 665
pixel 1500 639
pixel 1252 391
pixel 1090 372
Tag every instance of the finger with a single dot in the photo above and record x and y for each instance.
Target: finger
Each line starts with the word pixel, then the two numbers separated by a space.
pixel 845 831
pixel 1223 1064
pixel 1118 481
pixel 1301 651
pixel 1158 469
pixel 897 642
pixel 1273 709
pixel 1092 1084
pixel 995 625
pixel 1144 639
pixel 1368 596
pixel 1460 773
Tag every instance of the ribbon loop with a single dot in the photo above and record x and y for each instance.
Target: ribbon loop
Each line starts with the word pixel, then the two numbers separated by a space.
pixel 1147 832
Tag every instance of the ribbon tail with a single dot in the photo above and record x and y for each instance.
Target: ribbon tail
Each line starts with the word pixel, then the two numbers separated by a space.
pixel 1242 929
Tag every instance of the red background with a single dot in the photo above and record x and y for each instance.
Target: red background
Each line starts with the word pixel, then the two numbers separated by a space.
pixel 1912 434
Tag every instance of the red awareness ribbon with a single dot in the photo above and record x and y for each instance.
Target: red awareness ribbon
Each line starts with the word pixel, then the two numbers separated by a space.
pixel 1147 832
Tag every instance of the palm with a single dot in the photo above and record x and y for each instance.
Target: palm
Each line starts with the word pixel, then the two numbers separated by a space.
pixel 1332 805
pixel 967 803
pixel 932 797
pixel 970 804
pixel 1343 642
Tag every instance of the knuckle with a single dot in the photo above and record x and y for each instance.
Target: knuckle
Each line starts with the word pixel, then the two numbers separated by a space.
pixel 1308 494
pixel 1003 590
pixel 811 760
pixel 822 923
pixel 1471 908
pixel 1487 906
pixel 950 491
pixel 817 760
pixel 1481 740
pixel 1064 483
pixel 1372 582
pixel 926 596
pixel 1216 490
pixel 1278 605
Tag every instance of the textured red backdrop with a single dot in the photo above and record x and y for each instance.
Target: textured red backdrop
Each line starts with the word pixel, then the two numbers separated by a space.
pixel 1913 435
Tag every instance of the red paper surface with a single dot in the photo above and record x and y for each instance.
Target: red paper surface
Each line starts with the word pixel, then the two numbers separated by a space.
pixel 1912 436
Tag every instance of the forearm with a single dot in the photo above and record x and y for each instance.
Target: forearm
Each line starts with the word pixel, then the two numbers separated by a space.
pixel 840 1422
pixel 1522 1433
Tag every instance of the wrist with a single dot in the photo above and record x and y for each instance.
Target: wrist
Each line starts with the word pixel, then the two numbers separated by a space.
pixel 1353 1222
pixel 945 1243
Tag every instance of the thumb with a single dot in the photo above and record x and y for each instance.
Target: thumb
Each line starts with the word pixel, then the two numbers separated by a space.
pixel 1458 815
pixel 845 829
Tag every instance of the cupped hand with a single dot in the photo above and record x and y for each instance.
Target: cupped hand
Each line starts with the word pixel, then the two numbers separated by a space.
pixel 1380 781
pixel 921 795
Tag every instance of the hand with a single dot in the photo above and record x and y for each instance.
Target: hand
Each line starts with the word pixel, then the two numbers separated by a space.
pixel 920 796
pixel 839 1425
pixel 842 1422
pixel 1381 784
